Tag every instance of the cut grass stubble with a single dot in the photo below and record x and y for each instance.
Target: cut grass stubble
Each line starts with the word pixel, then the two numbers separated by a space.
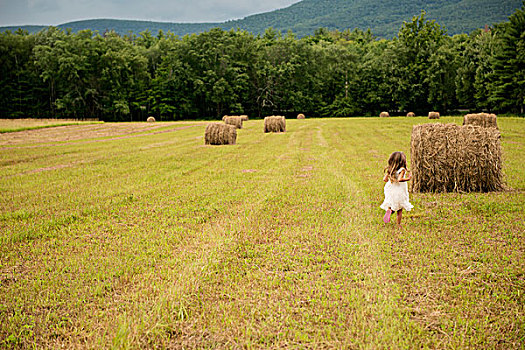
pixel 158 241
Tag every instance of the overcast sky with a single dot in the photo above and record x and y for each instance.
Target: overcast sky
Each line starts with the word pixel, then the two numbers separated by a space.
pixel 53 12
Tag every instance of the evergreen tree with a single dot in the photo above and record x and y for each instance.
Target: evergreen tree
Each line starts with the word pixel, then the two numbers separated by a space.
pixel 509 66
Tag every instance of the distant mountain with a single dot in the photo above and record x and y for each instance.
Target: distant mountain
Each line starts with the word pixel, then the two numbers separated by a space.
pixel 125 26
pixel 383 17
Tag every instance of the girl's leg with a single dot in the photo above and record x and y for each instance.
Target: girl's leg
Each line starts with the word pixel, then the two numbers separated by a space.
pixel 386 218
pixel 399 217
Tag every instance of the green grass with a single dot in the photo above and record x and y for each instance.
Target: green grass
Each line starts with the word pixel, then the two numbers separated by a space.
pixel 3 131
pixel 16 125
pixel 158 241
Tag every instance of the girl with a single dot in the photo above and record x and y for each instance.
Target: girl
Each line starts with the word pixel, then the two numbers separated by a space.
pixel 396 189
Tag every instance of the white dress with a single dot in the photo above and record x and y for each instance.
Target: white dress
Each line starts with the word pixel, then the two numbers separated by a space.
pixel 396 195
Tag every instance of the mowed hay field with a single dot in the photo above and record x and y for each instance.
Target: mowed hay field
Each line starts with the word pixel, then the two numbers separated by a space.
pixel 10 125
pixel 140 236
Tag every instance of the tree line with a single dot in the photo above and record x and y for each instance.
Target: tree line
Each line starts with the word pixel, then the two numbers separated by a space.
pixel 58 74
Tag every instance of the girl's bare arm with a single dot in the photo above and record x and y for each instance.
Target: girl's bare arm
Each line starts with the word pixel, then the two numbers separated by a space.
pixel 402 177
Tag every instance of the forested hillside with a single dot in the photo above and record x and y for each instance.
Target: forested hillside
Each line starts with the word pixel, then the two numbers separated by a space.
pixel 84 75
pixel 384 18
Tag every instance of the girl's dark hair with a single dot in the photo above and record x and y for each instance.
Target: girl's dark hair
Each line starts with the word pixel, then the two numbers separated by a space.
pixel 396 161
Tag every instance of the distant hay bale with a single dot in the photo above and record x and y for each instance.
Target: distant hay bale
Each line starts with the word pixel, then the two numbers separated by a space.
pixel 233 120
pixel 481 119
pixel 411 114
pixel 243 117
pixel 301 116
pixel 151 120
pixel 220 134
pixel 453 158
pixel 433 115
pixel 274 124
pixel 384 114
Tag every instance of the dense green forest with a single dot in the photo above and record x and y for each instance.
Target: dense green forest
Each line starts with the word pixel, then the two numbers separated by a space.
pixel 56 73
pixel 383 18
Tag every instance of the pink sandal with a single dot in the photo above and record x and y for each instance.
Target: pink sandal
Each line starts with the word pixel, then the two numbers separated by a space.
pixel 386 218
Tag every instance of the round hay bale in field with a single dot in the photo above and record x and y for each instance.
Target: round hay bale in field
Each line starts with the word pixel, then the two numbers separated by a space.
pixel 384 115
pixel 220 134
pixel 244 118
pixel 453 158
pixel 234 120
pixel 275 124
pixel 433 115
pixel 481 119
pixel 411 114
pixel 151 119
pixel 301 116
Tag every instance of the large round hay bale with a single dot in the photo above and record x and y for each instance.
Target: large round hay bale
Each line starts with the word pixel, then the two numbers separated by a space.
pixel 481 119
pixel 453 158
pixel 433 115
pixel 220 134
pixel 151 119
pixel 384 114
pixel 411 114
pixel 234 120
pixel 244 117
pixel 301 116
pixel 275 124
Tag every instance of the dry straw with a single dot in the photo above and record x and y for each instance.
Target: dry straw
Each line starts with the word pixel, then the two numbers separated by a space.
pixel 233 120
pixel 151 120
pixel 411 114
pixel 275 124
pixel 433 115
pixel 301 116
pixel 384 114
pixel 220 134
pixel 243 117
pixel 453 158
pixel 481 119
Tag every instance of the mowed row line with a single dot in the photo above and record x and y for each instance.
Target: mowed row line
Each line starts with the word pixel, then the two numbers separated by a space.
pixel 273 242
pixel 52 160
pixel 82 134
pixel 318 302
pixel 299 266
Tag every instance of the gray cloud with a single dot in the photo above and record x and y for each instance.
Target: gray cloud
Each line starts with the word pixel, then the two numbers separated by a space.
pixel 53 12
pixel 42 5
